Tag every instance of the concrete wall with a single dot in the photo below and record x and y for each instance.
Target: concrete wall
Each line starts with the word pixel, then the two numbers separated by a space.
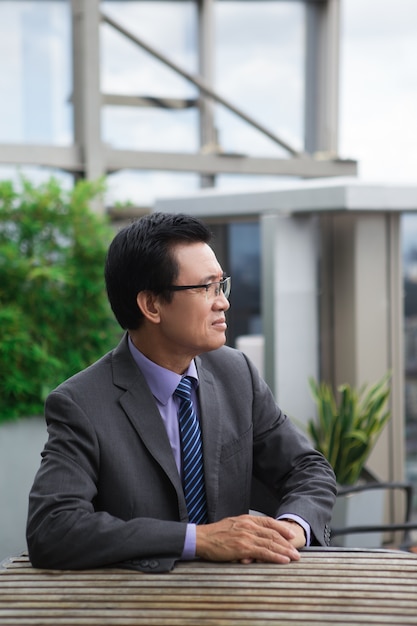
pixel 21 443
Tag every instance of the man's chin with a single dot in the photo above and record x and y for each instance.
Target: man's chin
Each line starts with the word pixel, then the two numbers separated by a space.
pixel 220 341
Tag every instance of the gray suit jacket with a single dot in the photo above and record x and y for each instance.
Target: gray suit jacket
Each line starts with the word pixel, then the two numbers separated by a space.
pixel 108 490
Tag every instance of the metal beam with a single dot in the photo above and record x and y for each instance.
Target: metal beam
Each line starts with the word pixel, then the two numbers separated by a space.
pixel 86 85
pixel 198 82
pixel 322 77
pixel 208 135
pixel 88 157
pixel 111 99
pixel 227 164
pixel 306 1
pixel 69 158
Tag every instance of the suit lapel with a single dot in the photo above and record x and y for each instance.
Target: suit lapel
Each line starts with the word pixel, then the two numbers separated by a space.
pixel 139 405
pixel 211 427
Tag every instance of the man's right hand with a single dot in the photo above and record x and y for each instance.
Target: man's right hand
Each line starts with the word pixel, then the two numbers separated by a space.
pixel 247 538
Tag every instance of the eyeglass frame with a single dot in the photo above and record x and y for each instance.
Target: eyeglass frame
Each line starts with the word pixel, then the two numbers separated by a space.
pixel 225 286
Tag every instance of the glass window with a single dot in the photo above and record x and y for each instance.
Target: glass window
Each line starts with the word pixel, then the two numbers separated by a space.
pixel 35 72
pixel 259 66
pixel 242 261
pixel 127 69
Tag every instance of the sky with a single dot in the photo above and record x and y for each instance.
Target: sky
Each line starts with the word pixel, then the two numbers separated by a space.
pixel 378 123
pixel 258 65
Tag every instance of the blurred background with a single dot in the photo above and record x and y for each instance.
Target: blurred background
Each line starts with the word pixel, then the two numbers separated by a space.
pixel 255 55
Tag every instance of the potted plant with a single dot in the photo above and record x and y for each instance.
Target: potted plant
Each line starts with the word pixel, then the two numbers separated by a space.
pixel 345 432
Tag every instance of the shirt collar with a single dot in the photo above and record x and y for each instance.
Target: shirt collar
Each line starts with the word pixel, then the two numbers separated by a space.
pixel 162 382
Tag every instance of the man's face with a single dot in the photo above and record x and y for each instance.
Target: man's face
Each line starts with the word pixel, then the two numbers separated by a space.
pixel 194 321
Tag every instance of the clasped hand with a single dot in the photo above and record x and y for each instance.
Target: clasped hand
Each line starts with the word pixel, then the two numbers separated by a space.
pixel 249 538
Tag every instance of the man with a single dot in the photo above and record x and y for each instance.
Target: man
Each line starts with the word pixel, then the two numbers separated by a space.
pixel 110 490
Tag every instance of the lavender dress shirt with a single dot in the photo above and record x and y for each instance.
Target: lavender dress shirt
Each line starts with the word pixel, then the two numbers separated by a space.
pixel 163 383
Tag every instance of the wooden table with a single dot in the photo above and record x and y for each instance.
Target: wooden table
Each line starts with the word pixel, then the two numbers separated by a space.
pixel 324 587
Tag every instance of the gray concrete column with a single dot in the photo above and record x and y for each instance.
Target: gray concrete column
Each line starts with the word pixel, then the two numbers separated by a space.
pixel 290 309
pixel 362 307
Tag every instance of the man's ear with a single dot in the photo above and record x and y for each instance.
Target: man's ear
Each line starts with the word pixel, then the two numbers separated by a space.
pixel 149 304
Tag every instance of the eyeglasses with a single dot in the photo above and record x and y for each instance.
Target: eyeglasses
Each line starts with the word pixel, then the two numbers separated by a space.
pixel 213 290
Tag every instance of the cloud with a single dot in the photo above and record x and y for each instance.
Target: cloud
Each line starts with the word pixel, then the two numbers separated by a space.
pixel 378 20
pixel 168 27
pixel 142 188
pixel 379 89
pixel 154 129
pixel 35 80
pixel 258 67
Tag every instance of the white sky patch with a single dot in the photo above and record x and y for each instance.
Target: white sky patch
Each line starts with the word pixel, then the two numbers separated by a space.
pixel 169 28
pixel 141 188
pixel 10 95
pixel 259 66
pixel 154 129
pixel 128 69
pixel 379 89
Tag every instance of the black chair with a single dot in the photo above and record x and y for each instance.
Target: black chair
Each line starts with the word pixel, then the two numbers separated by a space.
pixel 376 527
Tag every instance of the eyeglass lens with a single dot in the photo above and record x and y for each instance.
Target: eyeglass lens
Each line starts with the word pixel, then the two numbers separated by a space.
pixel 216 289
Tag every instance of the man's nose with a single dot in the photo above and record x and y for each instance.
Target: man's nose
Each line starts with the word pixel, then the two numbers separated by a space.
pixel 222 302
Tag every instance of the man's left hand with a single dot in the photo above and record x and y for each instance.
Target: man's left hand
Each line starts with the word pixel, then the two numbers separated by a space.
pixel 299 541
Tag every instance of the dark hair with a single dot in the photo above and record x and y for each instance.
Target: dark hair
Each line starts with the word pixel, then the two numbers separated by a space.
pixel 140 258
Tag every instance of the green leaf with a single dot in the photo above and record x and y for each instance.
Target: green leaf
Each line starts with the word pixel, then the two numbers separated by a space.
pixel 54 314
pixel 345 432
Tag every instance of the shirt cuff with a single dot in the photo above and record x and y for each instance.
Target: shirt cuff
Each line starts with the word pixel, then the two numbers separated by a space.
pixel 301 522
pixel 190 542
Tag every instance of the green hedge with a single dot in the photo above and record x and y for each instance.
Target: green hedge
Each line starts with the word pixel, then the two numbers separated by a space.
pixel 54 314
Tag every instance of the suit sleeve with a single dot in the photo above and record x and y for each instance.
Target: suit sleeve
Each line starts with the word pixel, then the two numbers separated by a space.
pixel 64 528
pixel 300 478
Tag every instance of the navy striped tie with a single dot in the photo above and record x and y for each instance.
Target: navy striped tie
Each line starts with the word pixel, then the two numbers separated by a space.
pixel 192 456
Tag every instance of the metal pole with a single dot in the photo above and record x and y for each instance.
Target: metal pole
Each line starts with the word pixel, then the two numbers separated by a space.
pixel 203 87
pixel 208 138
pixel 86 87
pixel 322 77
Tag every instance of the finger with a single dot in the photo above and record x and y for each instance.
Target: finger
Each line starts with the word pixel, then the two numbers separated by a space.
pixel 272 528
pixel 291 531
pixel 287 530
pixel 241 538
pixel 266 555
pixel 266 545
pixel 279 548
